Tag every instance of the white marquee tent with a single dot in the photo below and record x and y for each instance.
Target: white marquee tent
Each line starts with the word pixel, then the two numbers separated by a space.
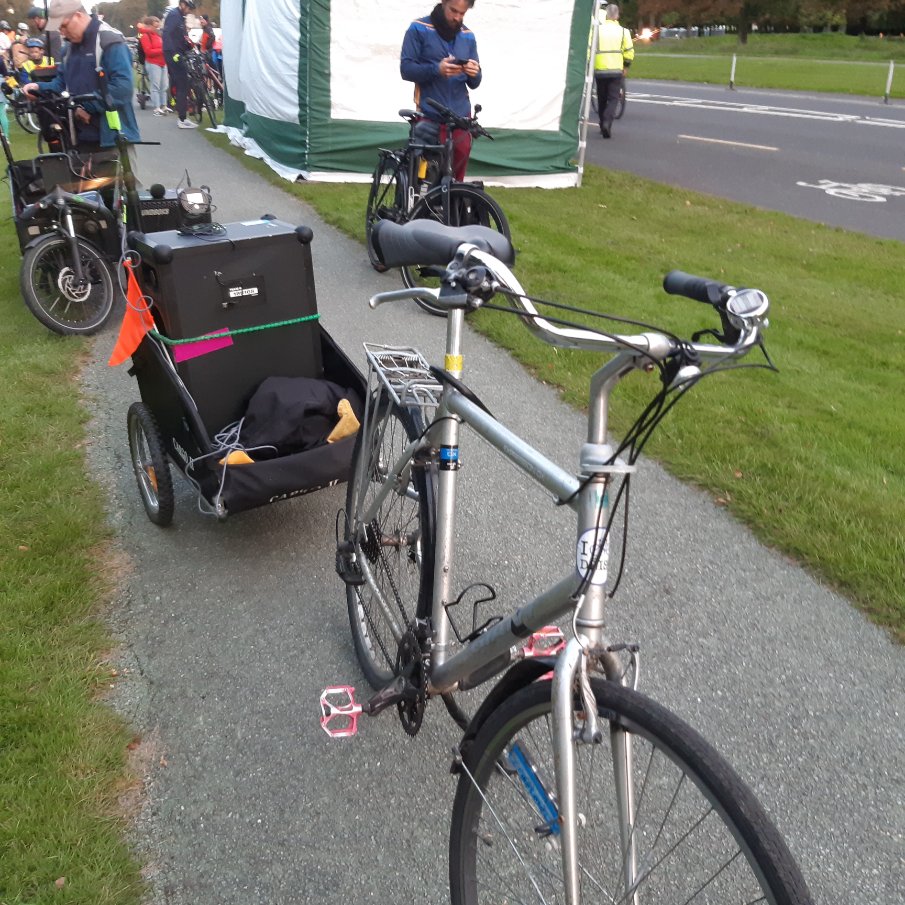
pixel 314 85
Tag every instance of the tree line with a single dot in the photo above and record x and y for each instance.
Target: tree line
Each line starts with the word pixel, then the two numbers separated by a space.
pixel 852 16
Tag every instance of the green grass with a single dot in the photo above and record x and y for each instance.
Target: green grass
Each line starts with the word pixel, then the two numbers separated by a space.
pixel 809 457
pixel 807 62
pixel 62 752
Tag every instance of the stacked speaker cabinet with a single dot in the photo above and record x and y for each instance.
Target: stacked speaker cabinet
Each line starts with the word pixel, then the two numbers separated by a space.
pixel 252 278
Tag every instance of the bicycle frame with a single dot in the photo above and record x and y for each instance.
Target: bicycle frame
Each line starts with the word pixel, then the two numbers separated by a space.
pixel 490 652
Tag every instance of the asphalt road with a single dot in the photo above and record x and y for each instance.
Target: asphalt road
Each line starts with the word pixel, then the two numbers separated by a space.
pixel 838 160
pixel 230 630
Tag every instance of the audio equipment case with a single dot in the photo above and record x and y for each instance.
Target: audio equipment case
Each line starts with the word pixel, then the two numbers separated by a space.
pixel 232 307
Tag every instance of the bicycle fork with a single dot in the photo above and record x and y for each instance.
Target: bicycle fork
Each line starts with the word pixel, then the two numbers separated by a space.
pixel 579 725
pixel 78 274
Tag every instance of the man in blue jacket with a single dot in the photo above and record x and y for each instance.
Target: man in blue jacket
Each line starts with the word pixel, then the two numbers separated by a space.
pixel 440 55
pixel 92 45
pixel 176 43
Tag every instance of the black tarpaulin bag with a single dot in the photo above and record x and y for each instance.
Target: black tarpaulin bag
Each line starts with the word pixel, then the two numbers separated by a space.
pixel 295 415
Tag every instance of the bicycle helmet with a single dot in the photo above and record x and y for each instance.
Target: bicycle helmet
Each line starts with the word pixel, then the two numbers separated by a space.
pixel 36 12
pixel 4 25
pixel 35 42
pixel 22 27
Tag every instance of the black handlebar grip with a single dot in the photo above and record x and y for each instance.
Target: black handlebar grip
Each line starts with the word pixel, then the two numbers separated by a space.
pixel 701 289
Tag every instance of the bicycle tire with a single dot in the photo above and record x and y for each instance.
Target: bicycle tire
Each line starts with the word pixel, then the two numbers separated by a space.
pixel 45 278
pixel 386 201
pixel 208 104
pixel 620 106
pixel 194 103
pixel 401 573
pixel 28 122
pixel 701 796
pixel 468 206
pixel 150 464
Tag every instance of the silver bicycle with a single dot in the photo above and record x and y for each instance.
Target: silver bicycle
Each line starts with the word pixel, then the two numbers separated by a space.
pixel 572 786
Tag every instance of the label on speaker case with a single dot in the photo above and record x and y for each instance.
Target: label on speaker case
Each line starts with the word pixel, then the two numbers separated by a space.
pixel 243 291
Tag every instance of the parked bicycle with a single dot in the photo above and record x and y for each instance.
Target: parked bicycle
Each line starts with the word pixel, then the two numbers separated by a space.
pixel 70 212
pixel 416 183
pixel 200 102
pixel 143 85
pixel 577 788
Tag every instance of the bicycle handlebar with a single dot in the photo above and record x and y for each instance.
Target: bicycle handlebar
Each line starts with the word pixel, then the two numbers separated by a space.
pixel 59 197
pixel 468 123
pixel 742 311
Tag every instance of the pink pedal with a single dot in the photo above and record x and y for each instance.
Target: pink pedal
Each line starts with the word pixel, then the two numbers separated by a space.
pixel 339 708
pixel 545 642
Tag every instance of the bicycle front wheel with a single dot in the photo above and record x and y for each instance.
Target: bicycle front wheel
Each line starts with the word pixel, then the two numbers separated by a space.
pixel 468 206
pixel 692 830
pixel 386 201
pixel 53 294
pixel 395 548
pixel 28 121
pixel 620 104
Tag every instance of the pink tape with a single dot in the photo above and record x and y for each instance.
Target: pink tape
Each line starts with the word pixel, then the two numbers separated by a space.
pixel 203 347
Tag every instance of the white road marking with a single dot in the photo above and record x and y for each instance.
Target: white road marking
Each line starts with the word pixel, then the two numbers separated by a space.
pixel 763 110
pixel 722 141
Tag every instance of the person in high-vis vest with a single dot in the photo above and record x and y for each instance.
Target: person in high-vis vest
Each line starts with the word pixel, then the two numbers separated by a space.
pixel 614 54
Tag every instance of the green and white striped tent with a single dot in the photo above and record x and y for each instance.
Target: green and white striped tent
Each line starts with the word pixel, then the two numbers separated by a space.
pixel 313 86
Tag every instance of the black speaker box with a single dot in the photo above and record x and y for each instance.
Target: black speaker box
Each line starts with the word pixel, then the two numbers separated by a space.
pixel 252 277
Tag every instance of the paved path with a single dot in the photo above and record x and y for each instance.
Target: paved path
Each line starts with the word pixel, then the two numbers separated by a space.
pixel 229 631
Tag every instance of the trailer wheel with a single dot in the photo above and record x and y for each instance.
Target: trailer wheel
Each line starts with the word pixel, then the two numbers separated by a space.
pixel 152 469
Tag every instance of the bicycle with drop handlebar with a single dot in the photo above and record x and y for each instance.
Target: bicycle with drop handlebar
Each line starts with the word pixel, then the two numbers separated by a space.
pixel 572 785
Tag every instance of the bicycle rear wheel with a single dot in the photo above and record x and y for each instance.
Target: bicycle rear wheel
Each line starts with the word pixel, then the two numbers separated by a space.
pixel 395 549
pixel 697 833
pixel 50 290
pixel 468 206
pixel 386 201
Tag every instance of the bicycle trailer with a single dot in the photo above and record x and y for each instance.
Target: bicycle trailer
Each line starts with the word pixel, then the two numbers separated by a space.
pixel 242 389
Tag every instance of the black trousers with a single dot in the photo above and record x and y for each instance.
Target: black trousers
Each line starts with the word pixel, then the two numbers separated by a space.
pixel 607 97
pixel 179 82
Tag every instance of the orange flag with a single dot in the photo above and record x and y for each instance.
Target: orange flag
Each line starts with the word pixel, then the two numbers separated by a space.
pixel 136 322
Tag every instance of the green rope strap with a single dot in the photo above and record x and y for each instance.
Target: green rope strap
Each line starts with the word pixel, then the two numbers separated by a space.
pixel 197 339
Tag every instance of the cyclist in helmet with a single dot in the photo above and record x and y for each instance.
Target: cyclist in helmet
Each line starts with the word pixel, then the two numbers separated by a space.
pixel 36 59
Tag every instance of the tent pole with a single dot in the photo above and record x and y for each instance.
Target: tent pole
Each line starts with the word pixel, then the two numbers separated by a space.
pixel 586 99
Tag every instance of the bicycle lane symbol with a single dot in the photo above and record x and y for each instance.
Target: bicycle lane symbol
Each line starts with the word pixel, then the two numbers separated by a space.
pixel 856 191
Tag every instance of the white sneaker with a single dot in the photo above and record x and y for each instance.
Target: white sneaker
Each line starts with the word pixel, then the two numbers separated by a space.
pixel 186 124
pixel 158 111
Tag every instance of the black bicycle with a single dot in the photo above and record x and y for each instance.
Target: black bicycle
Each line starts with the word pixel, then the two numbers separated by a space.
pixel 200 101
pixel 70 211
pixel 416 183
pixel 143 85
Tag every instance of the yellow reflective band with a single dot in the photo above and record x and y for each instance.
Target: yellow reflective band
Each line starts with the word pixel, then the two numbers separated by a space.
pixel 422 168
pixel 452 363
pixel 113 120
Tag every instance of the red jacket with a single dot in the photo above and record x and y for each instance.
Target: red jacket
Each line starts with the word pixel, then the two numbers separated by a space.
pixel 152 45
